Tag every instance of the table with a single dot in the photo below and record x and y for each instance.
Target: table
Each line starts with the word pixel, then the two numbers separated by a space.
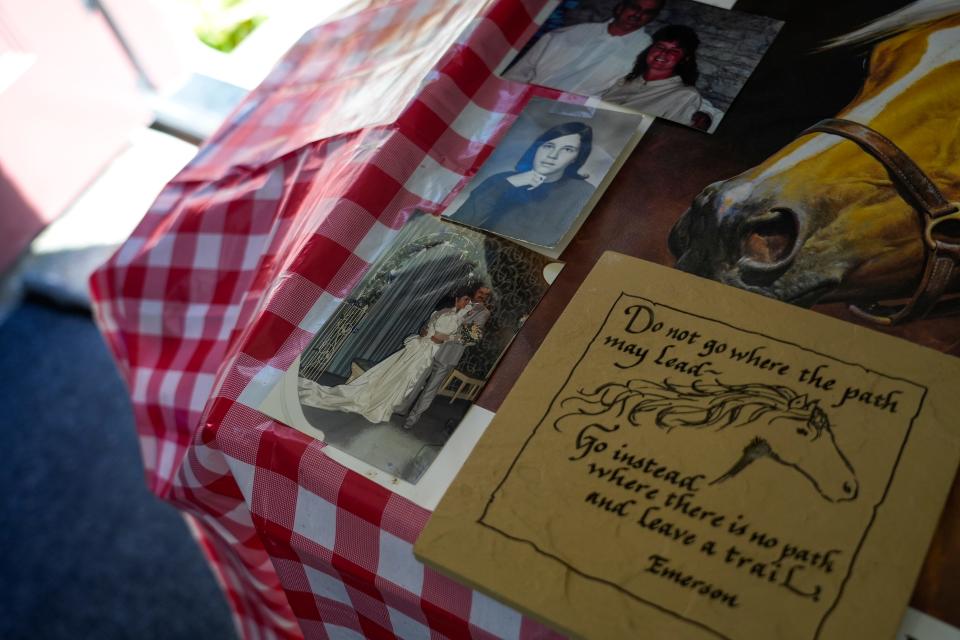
pixel 254 244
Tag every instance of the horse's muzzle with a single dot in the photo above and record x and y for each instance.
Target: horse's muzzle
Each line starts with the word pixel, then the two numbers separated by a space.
pixel 732 234
pixel 850 490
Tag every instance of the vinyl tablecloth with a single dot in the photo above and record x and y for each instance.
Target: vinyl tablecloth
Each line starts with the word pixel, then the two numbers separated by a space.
pixel 243 257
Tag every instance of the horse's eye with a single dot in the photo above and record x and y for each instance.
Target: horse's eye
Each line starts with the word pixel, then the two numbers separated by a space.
pixel 819 418
pixel 803 431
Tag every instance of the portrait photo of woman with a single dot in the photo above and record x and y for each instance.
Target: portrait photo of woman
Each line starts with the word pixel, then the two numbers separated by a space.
pixel 542 196
pixel 534 188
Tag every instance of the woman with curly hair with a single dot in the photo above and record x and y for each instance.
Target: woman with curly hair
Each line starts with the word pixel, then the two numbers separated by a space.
pixel 663 77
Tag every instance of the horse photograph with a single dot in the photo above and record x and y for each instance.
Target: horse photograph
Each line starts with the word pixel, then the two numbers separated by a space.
pixel 773 204
pixel 862 208
pixel 766 421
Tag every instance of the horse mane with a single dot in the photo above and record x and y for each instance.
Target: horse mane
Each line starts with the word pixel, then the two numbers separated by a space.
pixel 699 405
pixel 913 15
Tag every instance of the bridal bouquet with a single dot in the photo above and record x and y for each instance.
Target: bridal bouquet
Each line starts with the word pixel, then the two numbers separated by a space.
pixel 469 334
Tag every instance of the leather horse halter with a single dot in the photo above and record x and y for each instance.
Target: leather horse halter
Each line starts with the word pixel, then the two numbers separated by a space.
pixel 941 249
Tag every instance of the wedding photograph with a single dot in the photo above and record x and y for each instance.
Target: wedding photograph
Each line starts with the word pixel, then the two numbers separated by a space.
pixel 547 171
pixel 391 374
pixel 681 60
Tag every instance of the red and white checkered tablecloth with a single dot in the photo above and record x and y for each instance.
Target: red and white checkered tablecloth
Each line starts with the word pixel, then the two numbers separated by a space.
pixel 242 258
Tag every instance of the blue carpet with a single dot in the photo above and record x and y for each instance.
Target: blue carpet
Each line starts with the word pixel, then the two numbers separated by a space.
pixel 85 550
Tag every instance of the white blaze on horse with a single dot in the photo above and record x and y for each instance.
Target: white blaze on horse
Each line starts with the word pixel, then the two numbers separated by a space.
pixel 835 216
pixel 766 421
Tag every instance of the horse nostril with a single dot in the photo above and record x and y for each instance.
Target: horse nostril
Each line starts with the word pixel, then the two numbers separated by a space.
pixel 770 238
pixel 849 489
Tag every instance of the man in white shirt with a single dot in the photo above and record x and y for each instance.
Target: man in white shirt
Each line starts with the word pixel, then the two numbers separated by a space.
pixel 589 58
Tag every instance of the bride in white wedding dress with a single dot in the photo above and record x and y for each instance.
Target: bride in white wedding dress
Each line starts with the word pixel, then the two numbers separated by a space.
pixel 380 389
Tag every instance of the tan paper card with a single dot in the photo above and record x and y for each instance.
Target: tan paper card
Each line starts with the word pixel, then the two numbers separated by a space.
pixel 686 460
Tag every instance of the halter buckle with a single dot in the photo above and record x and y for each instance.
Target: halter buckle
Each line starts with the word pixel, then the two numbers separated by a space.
pixel 933 222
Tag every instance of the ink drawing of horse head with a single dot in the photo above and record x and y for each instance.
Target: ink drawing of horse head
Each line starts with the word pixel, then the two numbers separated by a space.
pixel 767 421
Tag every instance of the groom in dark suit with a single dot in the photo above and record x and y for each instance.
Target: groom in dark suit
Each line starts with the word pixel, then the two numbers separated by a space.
pixel 445 359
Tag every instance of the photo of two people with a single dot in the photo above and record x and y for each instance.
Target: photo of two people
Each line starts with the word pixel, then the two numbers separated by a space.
pixel 681 60
pixel 407 381
pixel 391 374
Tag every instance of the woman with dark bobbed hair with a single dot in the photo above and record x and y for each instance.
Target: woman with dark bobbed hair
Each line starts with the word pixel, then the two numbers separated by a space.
pixel 663 77
pixel 539 200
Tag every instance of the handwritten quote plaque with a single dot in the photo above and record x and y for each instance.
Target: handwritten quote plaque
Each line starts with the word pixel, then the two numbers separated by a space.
pixel 686 460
